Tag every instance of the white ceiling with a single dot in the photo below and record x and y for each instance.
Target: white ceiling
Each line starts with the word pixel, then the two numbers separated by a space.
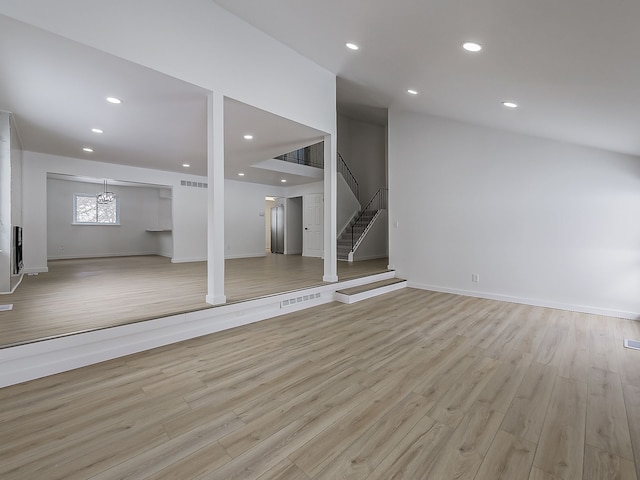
pixel 571 65
pixel 56 89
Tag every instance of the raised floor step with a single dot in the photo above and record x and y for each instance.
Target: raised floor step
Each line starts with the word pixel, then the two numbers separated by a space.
pixel 369 290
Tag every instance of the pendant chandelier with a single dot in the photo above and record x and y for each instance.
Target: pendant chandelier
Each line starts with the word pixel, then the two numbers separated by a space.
pixel 105 197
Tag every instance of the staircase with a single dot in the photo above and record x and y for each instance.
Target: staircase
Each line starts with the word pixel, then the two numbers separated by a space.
pixel 353 235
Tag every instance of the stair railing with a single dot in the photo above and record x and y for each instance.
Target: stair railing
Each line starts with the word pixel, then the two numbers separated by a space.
pixel 348 176
pixel 312 156
pixel 379 201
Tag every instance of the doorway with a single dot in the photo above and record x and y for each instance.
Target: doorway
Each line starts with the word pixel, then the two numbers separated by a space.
pixel 293 222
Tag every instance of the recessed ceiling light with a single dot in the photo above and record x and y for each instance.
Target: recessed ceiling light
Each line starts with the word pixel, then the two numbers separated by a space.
pixel 352 46
pixel 411 91
pixel 248 137
pixel 114 100
pixel 472 47
pixel 186 165
pixel 87 149
pixel 97 130
pixel 510 104
pixel 241 174
pixel 283 181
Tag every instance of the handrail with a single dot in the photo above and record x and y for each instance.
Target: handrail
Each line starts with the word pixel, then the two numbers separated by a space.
pixel 312 156
pixel 348 176
pixel 378 202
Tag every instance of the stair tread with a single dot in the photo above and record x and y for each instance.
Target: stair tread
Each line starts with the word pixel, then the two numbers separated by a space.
pixel 370 286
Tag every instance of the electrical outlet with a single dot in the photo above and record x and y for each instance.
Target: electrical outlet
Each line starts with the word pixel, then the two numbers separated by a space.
pixel 475 278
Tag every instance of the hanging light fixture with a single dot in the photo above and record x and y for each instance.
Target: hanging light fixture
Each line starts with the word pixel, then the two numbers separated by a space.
pixel 105 197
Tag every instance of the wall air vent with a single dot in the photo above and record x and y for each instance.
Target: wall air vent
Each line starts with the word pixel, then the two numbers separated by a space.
pixel 189 183
pixel 634 344
pixel 300 299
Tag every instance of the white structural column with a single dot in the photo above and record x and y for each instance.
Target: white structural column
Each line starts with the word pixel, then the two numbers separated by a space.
pixel 330 210
pixel 215 198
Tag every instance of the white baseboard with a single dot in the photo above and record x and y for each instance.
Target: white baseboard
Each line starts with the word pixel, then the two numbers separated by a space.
pixel 99 255
pixel 39 359
pixel 533 302
pixel 226 257
pixel 356 258
pixel 244 255
pixel 32 270
pixel 188 260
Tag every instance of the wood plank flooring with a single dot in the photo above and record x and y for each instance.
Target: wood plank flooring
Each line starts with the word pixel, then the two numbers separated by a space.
pixel 409 385
pixel 85 294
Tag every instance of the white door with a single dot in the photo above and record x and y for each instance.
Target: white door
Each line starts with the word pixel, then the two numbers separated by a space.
pixel 313 223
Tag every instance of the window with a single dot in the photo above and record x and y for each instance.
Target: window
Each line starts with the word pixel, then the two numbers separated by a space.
pixel 87 211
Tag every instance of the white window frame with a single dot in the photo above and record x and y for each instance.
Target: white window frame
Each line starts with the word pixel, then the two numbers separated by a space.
pixel 74 220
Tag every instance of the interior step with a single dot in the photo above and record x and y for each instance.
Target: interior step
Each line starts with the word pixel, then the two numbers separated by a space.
pixel 369 290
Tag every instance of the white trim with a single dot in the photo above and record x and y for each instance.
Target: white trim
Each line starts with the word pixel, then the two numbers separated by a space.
pixel 372 257
pixel 230 257
pixel 187 260
pixel 532 302
pixel 246 255
pixel 32 270
pixel 374 292
pixel 39 359
pixel 100 255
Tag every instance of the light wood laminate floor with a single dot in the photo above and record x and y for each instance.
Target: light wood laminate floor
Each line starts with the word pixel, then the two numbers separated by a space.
pixel 85 294
pixel 409 385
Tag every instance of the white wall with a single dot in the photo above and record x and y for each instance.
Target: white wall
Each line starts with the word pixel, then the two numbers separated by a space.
pixel 363 146
pixel 344 137
pixel 16 192
pixel 165 244
pixel 302 190
pixel 5 203
pixel 189 204
pixel 244 226
pixel 539 221
pixel 348 205
pixel 196 41
pixel 138 212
